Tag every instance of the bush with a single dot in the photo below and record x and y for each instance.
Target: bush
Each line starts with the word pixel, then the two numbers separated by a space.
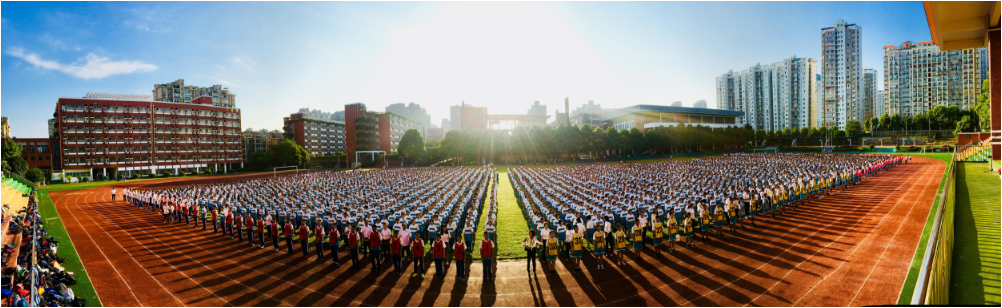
pixel 945 148
pixel 912 148
pixel 165 173
pixel 872 147
pixel 34 175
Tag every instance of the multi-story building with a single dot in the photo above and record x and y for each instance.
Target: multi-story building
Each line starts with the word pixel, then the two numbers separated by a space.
pixel 177 92
pixel 699 104
pixel 869 93
pixel 446 125
pixel 879 104
pixel 316 114
pixel 318 135
pixel 536 109
pixel 842 74
pixel 5 128
pixel 644 117
pixel 773 96
pixel 259 141
pixel 589 114
pixel 675 104
pixel 99 135
pixel 918 77
pixel 412 111
pixel 37 151
pixel 375 131
pixel 819 110
pixel 468 117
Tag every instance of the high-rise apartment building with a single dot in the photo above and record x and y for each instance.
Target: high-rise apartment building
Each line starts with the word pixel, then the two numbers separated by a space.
pixel 589 114
pixel 177 92
pixel 317 133
pixel 879 104
pixel 699 104
pixel 375 131
pixel 104 134
pixel 317 114
pixel 842 74
pixel 676 104
pixel 773 96
pixel 918 77
pixel 869 93
pixel 412 111
pixel 5 128
pixel 261 140
pixel 536 109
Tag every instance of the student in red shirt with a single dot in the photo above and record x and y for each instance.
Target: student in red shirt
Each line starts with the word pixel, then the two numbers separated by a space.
pixel 395 249
pixel 229 224
pixel 304 238
pixel 460 249
pixel 439 251
pixel 260 231
pixel 353 247
pixel 417 245
pixel 250 230
pixel 240 229
pixel 487 253
pixel 333 238
pixel 288 235
pixel 318 234
pixel 374 242
pixel 273 230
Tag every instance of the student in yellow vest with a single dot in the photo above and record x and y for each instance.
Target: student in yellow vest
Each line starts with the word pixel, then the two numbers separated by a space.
pixel 577 245
pixel 718 217
pixel 658 231
pixel 671 230
pixel 599 240
pixel 638 240
pixel 552 249
pixel 688 226
pixel 620 244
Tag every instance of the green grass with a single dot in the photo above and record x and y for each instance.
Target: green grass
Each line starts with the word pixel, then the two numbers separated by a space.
pixel 512 227
pixel 974 277
pixel 479 236
pixel 54 225
pixel 907 290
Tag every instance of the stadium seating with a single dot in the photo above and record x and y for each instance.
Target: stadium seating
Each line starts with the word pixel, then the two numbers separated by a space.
pixel 885 150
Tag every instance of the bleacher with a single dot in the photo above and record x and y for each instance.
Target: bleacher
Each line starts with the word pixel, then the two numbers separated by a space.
pixel 974 152
pixel 18 185
pixel 13 200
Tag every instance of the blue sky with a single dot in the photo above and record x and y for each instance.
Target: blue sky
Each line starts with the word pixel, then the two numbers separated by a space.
pixel 282 56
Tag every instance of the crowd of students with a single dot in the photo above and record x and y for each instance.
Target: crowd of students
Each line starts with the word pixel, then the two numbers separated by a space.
pixel 380 214
pixel 606 209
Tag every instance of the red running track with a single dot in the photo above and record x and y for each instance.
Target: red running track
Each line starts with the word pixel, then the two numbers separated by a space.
pixel 850 249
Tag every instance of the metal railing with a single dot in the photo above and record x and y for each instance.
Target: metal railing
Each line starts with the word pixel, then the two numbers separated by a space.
pixel 933 284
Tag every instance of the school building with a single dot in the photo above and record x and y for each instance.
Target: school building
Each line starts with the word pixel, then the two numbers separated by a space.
pixel 112 136
pixel 319 136
pixel 374 131
pixel 644 117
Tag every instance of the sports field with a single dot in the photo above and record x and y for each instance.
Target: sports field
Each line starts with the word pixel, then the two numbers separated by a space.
pixel 975 275
pixel 850 249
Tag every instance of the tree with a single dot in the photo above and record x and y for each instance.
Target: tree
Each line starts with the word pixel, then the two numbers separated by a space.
pixel 853 128
pixel 18 165
pixel 288 153
pixel 983 109
pixel 965 124
pixel 411 146
pixel 885 122
pixel 34 175
pixel 259 158
pixel 11 150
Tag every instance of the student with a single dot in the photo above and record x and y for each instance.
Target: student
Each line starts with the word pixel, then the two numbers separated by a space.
pixel 418 248
pixel 438 247
pixel 374 241
pixel 112 194
pixel 240 228
pixel 353 240
pixel 273 231
pixel 620 245
pixel 260 231
pixel 333 238
pixel 396 246
pixel 304 238
pixel 577 245
pixel 552 249
pixel 657 230
pixel 288 236
pixel 719 220
pixel 460 250
pixel 250 229
pixel 599 241
pixel 215 222
pixel 688 223
pixel 638 240
pixel 487 254
pixel 318 238
pixel 672 229
pixel 530 244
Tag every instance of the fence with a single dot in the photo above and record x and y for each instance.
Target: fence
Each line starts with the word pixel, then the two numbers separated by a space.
pixel 933 284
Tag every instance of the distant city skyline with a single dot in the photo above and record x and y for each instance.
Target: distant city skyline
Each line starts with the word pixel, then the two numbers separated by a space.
pixel 279 57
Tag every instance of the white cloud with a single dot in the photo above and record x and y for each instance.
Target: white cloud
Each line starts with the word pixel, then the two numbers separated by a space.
pixel 244 62
pixel 95 67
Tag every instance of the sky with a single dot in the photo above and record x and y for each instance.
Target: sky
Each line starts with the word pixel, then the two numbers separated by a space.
pixel 277 57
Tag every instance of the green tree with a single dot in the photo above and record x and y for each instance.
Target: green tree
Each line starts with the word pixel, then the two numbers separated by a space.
pixel 18 165
pixel 11 150
pixel 288 153
pixel 853 128
pixel 966 124
pixel 34 175
pixel 983 109
pixel 260 159
pixel 411 146
pixel 885 122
